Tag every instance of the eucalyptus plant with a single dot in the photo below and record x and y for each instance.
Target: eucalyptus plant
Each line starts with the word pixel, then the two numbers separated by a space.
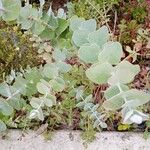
pixel 38 86
pixel 103 56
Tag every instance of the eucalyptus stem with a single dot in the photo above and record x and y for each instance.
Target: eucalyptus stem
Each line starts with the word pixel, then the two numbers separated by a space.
pixel 130 55
pixel 121 91
pixel 17 92
pixel 41 21
pixel 91 110
pixel 3 10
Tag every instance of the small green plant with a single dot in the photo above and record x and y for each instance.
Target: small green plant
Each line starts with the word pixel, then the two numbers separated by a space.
pixel 147 133
pixel 128 31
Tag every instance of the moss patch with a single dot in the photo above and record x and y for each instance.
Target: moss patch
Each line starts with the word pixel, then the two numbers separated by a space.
pixel 16 50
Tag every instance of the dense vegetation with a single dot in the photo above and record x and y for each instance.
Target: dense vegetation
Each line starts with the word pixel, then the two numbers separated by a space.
pixel 89 72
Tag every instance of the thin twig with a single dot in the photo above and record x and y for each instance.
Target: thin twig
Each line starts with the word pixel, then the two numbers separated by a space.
pixel 115 21
pixel 3 10
pixel 17 92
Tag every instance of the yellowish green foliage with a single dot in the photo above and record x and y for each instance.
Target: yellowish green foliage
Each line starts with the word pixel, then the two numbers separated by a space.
pixel 16 50
pixel 97 9
pixel 123 127
pixel 128 31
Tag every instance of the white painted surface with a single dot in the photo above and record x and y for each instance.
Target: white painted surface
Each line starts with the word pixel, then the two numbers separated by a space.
pixel 63 141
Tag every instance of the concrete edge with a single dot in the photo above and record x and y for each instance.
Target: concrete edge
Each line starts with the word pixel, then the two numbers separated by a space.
pixel 71 140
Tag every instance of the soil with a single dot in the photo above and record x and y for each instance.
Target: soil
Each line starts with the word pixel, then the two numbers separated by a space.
pixel 56 4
